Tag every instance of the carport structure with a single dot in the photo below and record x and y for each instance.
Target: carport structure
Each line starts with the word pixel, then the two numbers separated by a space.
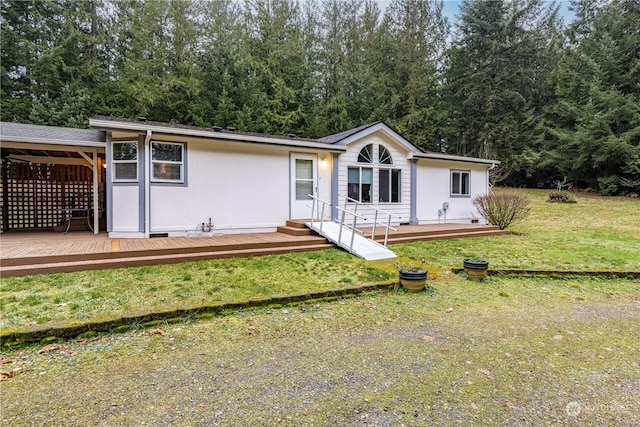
pixel 50 174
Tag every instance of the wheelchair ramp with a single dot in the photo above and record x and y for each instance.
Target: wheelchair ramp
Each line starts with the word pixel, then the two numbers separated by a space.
pixel 362 247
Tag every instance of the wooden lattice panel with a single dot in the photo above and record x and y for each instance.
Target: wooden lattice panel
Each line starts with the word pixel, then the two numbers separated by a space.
pixel 34 195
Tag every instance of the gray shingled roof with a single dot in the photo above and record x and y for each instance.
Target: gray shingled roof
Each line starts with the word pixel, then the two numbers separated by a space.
pixel 206 129
pixel 337 137
pixel 50 133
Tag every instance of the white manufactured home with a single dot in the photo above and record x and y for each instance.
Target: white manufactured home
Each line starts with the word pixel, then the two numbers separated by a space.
pixel 171 180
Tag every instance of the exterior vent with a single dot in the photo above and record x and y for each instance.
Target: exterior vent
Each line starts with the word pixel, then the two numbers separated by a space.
pixel 154 235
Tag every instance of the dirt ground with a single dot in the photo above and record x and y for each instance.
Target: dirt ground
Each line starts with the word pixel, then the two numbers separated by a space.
pixel 385 359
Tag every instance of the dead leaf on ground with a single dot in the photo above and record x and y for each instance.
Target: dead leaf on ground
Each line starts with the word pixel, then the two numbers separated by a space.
pixel 51 347
pixel 449 310
pixel 6 375
pixel 4 361
pixel 427 338
pixel 156 331
pixel 485 372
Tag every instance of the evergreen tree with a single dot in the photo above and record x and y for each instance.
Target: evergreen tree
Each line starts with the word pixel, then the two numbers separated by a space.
pixel 278 63
pixel 416 35
pixel 156 70
pixel 51 53
pixel 495 78
pixel 593 131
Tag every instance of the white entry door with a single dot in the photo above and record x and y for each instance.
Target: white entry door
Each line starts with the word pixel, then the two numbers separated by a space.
pixel 304 181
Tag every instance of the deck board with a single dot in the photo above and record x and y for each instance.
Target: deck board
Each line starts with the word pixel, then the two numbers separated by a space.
pixel 30 249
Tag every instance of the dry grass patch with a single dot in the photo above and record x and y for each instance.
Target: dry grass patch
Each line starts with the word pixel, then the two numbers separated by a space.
pixel 504 352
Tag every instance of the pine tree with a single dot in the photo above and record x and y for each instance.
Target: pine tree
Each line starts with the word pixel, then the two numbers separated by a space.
pixel 594 128
pixel 496 78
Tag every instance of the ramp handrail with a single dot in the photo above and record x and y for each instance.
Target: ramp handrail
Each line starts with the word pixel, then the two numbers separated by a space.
pixel 316 202
pixel 375 218
pixel 315 208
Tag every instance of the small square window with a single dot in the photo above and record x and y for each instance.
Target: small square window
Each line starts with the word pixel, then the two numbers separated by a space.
pixel 125 161
pixel 460 183
pixel 167 162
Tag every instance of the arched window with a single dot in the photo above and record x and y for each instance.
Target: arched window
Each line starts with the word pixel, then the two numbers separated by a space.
pixel 366 154
pixel 360 179
pixel 388 178
pixel 384 157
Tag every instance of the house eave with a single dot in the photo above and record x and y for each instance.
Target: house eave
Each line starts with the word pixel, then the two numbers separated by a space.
pixel 143 127
pixel 453 158
pixel 50 144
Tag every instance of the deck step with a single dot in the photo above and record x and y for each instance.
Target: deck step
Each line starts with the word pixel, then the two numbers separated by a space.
pixel 138 261
pixel 294 230
pixel 297 223
pixel 175 251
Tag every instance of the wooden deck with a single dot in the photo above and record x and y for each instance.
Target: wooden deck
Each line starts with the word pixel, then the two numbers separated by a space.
pixel 25 253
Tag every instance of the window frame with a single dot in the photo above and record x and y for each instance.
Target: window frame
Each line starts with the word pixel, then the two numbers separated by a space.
pixel 360 183
pixel 390 185
pixel 115 162
pixel 181 163
pixel 461 183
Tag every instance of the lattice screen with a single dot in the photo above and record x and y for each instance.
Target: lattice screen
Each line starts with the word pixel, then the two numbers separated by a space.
pixel 33 195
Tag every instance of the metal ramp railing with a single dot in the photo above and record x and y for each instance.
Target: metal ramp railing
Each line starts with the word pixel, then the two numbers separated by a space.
pixel 348 236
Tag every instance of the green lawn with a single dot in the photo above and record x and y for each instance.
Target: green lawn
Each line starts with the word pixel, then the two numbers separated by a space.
pixel 596 233
pixel 506 351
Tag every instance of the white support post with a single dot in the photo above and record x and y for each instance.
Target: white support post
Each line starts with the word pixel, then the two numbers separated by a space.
pixel 93 165
pixel 96 193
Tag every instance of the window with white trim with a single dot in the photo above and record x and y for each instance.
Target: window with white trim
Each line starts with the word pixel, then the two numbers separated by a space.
pixel 167 162
pixel 460 183
pixel 124 158
pixel 360 184
pixel 389 185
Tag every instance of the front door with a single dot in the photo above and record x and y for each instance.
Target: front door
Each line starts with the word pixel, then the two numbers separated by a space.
pixel 304 181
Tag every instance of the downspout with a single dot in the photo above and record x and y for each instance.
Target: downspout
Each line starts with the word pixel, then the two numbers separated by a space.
pixel 147 183
pixel 489 189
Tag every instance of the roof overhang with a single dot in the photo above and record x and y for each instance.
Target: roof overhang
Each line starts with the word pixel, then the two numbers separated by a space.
pixel 453 158
pixel 23 136
pixel 379 127
pixel 171 133
pixel 52 145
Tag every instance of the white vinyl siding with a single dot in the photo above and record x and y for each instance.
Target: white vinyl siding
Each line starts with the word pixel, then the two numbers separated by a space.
pixel 397 155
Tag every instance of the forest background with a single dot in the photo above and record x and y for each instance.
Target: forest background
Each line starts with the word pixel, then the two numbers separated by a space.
pixel 508 80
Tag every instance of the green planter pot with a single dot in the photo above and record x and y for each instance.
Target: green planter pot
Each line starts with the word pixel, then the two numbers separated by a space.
pixel 413 281
pixel 476 270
